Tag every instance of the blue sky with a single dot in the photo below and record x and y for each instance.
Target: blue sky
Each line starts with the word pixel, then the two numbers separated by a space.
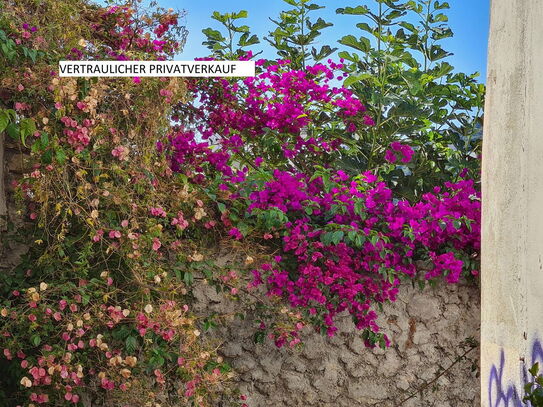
pixel 469 20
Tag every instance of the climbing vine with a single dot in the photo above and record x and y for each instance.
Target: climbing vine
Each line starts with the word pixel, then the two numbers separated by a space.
pixel 136 187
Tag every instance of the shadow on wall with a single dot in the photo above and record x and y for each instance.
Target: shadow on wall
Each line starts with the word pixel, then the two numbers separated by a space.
pixel 506 394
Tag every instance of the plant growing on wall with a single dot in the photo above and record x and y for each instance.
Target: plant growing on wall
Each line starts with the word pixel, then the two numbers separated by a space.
pixel 129 203
pixel 533 389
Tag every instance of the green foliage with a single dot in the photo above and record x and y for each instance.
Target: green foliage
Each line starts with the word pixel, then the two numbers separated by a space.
pixel 96 254
pixel 398 67
pixel 296 32
pixel 225 46
pixel 534 389
pixel 10 51
pixel 17 129
pixel 7 116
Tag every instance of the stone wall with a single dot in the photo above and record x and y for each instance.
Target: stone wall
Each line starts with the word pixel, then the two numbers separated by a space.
pixel 425 327
pixel 13 162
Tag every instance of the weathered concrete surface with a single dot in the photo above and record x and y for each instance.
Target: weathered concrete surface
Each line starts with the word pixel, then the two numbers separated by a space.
pixel 512 250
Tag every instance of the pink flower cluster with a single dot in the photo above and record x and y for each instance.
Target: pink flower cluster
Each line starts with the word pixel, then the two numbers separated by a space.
pixel 399 151
pixel 346 247
pixel 77 134
pixel 346 241
pixel 281 101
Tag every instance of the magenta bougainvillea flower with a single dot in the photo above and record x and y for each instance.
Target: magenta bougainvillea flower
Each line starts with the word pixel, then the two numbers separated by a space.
pixel 399 151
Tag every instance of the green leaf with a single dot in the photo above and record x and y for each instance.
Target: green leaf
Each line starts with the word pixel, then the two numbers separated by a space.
pixel 131 343
pixel 259 337
pixel 36 340
pixel 436 53
pixel 391 277
pixel 60 156
pixel 213 34
pixel 442 18
pixel 363 44
pixel 209 324
pixel 365 27
pixel 13 131
pixel 337 236
pixel 314 6
pixel 4 120
pixel 47 157
pixel 360 240
pixel 27 127
pixel 440 6
pixel 156 361
pixel 246 41
pixel 222 18
pixel 534 370
pixel 326 238
pixel 44 139
pixel 409 26
pixel 188 277
pixel 360 10
pixel 240 14
pixel 352 79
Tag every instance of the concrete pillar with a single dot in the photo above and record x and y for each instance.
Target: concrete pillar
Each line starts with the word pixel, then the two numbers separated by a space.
pixel 512 249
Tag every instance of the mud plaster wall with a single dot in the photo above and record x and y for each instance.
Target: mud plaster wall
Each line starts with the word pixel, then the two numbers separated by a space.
pixel 425 329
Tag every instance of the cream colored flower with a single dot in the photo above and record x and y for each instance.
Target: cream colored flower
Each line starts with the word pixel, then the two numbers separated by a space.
pixel 26 382
pixel 131 361
pixel 125 373
pixel 196 256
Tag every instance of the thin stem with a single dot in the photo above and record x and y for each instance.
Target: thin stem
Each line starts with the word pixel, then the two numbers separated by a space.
pixel 427 26
pixel 303 36
pixel 421 389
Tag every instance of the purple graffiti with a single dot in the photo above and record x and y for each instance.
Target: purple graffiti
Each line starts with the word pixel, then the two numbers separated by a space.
pixel 509 395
